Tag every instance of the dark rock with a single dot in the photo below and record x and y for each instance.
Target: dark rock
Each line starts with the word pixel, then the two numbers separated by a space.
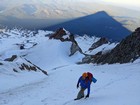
pixel 28 67
pixel 22 47
pixel 15 70
pixel 1 63
pixel 58 34
pixel 45 72
pixel 35 67
pixel 11 59
pixel 21 67
pixel 74 48
pixel 98 43
pixel 62 35
pixel 86 59
pixel 127 51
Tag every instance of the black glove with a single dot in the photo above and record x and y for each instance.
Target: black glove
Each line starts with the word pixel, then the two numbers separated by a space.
pixel 77 86
pixel 87 96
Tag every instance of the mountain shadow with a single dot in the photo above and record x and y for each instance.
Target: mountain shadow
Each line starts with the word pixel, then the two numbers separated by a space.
pixel 99 24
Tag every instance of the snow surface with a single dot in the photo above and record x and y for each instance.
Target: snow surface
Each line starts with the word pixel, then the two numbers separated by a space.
pixel 117 84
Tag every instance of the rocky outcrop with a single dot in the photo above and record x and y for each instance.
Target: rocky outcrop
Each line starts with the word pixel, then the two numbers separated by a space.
pixel 87 59
pixel 90 58
pixel 28 67
pixel 59 34
pixel 24 66
pixel 31 67
pixel 74 48
pixel 26 45
pixel 127 51
pixel 98 43
pixel 11 59
pixel 63 35
pixel 1 63
pixel 19 63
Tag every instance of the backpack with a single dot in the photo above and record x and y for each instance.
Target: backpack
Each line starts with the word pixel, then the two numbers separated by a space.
pixel 90 76
pixel 94 80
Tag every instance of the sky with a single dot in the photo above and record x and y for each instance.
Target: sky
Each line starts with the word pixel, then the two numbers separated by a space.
pixel 133 4
pixel 127 2
pixel 130 2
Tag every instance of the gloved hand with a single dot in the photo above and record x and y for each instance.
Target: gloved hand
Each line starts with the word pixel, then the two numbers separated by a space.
pixel 77 86
pixel 87 96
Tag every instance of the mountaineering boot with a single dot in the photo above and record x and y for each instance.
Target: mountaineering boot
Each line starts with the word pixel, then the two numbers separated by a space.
pixel 79 98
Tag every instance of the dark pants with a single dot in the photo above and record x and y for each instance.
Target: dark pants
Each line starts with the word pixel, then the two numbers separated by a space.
pixel 81 93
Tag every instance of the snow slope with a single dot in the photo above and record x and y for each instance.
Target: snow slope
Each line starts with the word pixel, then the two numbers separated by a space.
pixel 55 54
pixel 117 84
pixel 114 87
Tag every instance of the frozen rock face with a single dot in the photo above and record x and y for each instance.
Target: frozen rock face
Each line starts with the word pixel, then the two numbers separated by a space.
pixel 58 34
pixel 18 63
pixel 63 35
pixel 127 51
pixel 98 43
pixel 74 48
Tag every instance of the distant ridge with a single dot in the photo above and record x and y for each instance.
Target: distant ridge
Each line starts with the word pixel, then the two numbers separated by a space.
pixel 99 24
